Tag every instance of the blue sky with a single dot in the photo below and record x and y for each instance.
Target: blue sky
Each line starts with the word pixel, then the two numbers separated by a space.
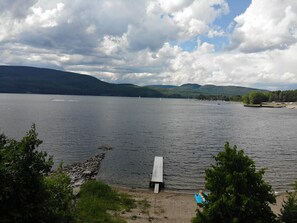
pixel 237 7
pixel 224 21
pixel 144 42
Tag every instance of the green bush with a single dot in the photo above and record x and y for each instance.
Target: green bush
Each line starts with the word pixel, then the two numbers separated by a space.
pixel 26 193
pixel 255 97
pixel 59 202
pixel 238 193
pixel 289 209
pixel 21 187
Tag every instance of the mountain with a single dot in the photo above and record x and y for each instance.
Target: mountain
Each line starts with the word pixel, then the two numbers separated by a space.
pixel 162 86
pixel 21 79
pixel 193 90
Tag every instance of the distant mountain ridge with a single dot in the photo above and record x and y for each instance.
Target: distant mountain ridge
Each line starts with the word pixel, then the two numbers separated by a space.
pixel 195 89
pixel 23 79
pixel 19 79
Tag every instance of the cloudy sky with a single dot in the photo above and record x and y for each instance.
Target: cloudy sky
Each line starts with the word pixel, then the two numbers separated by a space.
pixel 223 42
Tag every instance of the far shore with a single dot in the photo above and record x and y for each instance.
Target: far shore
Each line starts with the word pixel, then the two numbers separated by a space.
pixel 290 105
pixel 170 206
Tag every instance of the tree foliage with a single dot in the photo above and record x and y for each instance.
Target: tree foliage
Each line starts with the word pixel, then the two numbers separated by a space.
pixel 26 195
pixel 289 209
pixel 257 97
pixel 238 192
pixel 59 197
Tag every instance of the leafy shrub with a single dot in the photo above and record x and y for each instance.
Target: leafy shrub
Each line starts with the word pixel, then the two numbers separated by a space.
pixel 21 187
pixel 238 192
pixel 289 209
pixel 59 202
pixel 26 193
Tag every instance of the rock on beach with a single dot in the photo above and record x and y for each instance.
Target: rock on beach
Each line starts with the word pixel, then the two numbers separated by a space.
pixel 80 172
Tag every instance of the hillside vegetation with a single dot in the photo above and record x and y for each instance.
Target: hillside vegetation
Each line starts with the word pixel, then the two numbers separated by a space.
pixel 257 97
pixel 17 79
pixel 196 90
pixel 20 79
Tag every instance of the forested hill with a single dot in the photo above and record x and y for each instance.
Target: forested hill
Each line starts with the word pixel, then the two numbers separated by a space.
pixel 196 90
pixel 20 79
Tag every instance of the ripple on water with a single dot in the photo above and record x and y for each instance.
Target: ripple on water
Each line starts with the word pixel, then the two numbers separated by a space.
pixel 186 132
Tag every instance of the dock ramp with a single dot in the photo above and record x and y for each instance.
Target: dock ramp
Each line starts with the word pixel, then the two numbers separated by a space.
pixel 157 174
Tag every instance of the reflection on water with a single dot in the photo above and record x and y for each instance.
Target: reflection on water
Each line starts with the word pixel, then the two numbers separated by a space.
pixel 186 132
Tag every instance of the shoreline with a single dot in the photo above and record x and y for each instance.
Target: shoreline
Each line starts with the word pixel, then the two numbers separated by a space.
pixel 170 206
pixel 177 191
pixel 289 105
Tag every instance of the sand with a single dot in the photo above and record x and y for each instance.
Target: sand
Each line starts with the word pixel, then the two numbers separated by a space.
pixel 169 206
pixel 276 208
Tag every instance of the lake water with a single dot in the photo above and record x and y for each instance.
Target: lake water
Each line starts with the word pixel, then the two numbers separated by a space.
pixel 186 132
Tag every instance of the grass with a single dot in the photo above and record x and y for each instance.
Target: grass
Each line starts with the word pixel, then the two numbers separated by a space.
pixel 99 203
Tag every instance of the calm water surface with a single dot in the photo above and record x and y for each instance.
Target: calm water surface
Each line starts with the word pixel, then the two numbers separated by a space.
pixel 186 132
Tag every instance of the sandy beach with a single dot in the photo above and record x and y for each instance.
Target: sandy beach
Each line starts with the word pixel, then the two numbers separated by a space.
pixel 169 206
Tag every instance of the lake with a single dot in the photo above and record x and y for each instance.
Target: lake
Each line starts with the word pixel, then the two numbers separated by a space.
pixel 186 132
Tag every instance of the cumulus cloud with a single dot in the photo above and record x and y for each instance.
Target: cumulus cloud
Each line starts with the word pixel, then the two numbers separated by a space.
pixel 44 18
pixel 172 6
pixel 16 8
pixel 266 25
pixel 146 24
pixel 138 41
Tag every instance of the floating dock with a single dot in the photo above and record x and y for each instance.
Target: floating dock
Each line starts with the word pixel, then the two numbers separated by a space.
pixel 157 175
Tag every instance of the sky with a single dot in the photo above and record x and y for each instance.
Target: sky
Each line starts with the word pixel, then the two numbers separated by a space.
pixel 250 43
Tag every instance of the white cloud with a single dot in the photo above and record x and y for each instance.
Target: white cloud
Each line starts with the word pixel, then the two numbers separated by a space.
pixel 137 41
pixel 146 24
pixel 172 6
pixel 113 45
pixel 266 24
pixel 202 66
pixel 196 18
pixel 215 32
pixel 45 18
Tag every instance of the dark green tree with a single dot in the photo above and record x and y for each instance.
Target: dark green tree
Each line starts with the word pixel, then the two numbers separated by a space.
pixel 22 170
pixel 257 97
pixel 26 195
pixel 289 209
pixel 238 193
pixel 246 99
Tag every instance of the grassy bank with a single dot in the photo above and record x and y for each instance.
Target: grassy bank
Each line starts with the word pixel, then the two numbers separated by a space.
pixel 97 202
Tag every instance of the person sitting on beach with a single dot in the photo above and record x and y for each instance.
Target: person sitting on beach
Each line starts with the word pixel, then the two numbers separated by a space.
pixel 202 195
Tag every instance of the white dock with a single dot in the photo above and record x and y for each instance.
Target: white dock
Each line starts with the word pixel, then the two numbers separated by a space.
pixel 157 175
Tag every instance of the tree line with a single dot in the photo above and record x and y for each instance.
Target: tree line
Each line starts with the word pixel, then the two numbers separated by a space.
pixel 218 97
pixel 257 97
